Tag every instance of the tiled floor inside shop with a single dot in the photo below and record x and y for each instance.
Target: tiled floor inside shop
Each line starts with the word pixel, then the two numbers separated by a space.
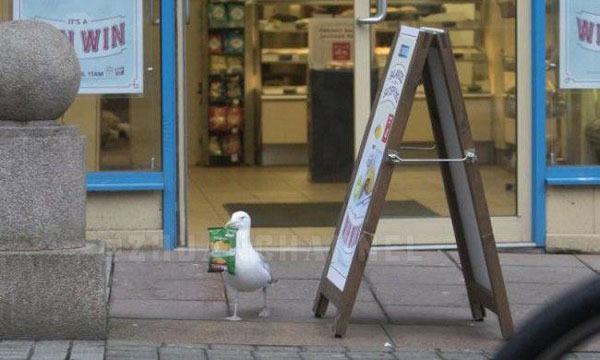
pixel 212 187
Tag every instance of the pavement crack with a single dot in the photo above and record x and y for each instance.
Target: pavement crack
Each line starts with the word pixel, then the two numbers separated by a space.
pixel 587 265
pixel 378 302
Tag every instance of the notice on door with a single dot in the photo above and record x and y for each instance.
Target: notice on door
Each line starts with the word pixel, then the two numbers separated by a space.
pixel 372 158
pixel 107 37
pixel 579 44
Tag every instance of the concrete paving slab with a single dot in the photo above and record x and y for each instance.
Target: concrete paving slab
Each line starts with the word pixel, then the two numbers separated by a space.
pixel 593 261
pixel 409 258
pixel 462 355
pixel 417 355
pixel 51 350
pixel 15 350
pixel 87 350
pixel 311 270
pixel 422 295
pixel 546 275
pixel 429 315
pixel 520 259
pixel 276 355
pixel 301 311
pixel 253 333
pixel 370 355
pixel 181 353
pixel 167 309
pixel 446 337
pixel 152 289
pixel 165 271
pixel 323 356
pixel 415 275
pixel 534 294
pixel 179 255
pixel 294 289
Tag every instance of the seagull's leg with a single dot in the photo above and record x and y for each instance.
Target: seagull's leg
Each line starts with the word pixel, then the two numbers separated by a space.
pixel 265 312
pixel 234 317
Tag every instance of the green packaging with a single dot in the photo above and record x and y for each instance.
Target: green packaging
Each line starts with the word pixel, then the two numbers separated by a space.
pixel 221 242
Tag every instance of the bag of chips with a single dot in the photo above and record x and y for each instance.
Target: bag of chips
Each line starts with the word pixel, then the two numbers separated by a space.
pixel 222 250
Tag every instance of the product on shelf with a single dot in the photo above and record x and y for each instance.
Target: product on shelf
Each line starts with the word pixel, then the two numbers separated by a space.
pixel 217 15
pixel 232 144
pixel 215 44
pixel 236 15
pixel 214 146
pixel 217 118
pixel 234 43
pixel 217 90
pixel 235 64
pixel 218 63
pixel 235 116
pixel 234 87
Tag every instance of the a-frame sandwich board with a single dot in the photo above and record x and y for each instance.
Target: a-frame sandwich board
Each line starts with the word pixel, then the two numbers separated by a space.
pixel 416 56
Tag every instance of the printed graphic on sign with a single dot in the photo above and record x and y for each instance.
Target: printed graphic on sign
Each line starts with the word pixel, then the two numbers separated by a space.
pixel 371 161
pixel 107 37
pixel 341 51
pixel 579 44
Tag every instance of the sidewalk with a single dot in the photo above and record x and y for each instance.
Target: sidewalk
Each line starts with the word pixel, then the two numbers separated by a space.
pixel 411 306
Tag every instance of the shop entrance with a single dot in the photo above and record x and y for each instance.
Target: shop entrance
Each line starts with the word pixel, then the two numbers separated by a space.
pixel 270 122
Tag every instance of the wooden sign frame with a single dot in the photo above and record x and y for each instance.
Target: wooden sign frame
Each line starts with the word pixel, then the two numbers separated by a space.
pixel 428 54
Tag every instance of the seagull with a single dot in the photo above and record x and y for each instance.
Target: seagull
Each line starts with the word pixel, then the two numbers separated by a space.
pixel 252 272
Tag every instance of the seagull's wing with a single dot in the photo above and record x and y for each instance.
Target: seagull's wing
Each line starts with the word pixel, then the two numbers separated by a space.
pixel 267 267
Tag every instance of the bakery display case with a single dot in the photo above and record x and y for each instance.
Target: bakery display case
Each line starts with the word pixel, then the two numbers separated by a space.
pixel 279 81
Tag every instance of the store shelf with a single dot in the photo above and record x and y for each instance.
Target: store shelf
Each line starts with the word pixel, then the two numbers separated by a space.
pixel 392 26
pixel 351 2
pixel 298 97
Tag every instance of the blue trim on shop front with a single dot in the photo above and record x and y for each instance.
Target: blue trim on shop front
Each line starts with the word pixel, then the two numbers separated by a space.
pixel 125 181
pixel 165 181
pixel 169 119
pixel 573 176
pixel 538 80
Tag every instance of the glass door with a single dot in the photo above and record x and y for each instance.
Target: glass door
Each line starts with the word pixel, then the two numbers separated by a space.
pixel 494 76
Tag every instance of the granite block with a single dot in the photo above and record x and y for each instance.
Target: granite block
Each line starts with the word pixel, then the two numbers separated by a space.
pixel 42 188
pixel 52 295
pixel 39 71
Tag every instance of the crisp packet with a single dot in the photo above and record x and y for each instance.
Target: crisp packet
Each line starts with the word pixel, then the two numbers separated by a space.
pixel 222 249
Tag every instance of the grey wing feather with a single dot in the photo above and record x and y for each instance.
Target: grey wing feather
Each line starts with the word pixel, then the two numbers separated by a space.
pixel 267 267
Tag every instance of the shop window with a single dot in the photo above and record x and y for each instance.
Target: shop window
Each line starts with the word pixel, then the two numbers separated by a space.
pixel 122 131
pixel 572 82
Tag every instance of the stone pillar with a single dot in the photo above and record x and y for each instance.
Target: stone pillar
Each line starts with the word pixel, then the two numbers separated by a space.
pixel 53 284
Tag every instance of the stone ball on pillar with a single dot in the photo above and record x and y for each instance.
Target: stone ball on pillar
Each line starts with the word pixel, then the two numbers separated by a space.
pixel 39 72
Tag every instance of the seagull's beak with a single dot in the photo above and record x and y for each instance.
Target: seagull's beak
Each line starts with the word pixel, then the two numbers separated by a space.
pixel 231 224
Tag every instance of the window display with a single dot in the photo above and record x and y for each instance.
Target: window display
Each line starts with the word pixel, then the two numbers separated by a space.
pixel 573 101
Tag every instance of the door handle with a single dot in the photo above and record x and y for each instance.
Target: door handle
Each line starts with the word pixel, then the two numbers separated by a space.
pixel 379 17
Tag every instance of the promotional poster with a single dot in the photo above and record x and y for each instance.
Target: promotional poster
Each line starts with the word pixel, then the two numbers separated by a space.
pixel 107 36
pixel 579 44
pixel 372 158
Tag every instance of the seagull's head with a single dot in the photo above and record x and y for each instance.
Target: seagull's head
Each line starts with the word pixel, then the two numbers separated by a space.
pixel 239 220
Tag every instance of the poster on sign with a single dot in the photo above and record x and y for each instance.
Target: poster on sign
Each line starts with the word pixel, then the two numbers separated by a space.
pixel 372 159
pixel 330 43
pixel 107 37
pixel 579 44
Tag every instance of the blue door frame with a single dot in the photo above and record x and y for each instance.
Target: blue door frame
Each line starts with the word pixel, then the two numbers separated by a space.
pixel 544 175
pixel 165 181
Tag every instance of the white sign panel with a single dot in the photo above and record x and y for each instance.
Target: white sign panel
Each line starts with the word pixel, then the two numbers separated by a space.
pixel 372 158
pixel 330 42
pixel 107 36
pixel 580 44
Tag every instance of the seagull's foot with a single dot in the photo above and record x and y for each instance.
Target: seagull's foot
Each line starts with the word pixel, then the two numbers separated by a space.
pixel 265 313
pixel 234 318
